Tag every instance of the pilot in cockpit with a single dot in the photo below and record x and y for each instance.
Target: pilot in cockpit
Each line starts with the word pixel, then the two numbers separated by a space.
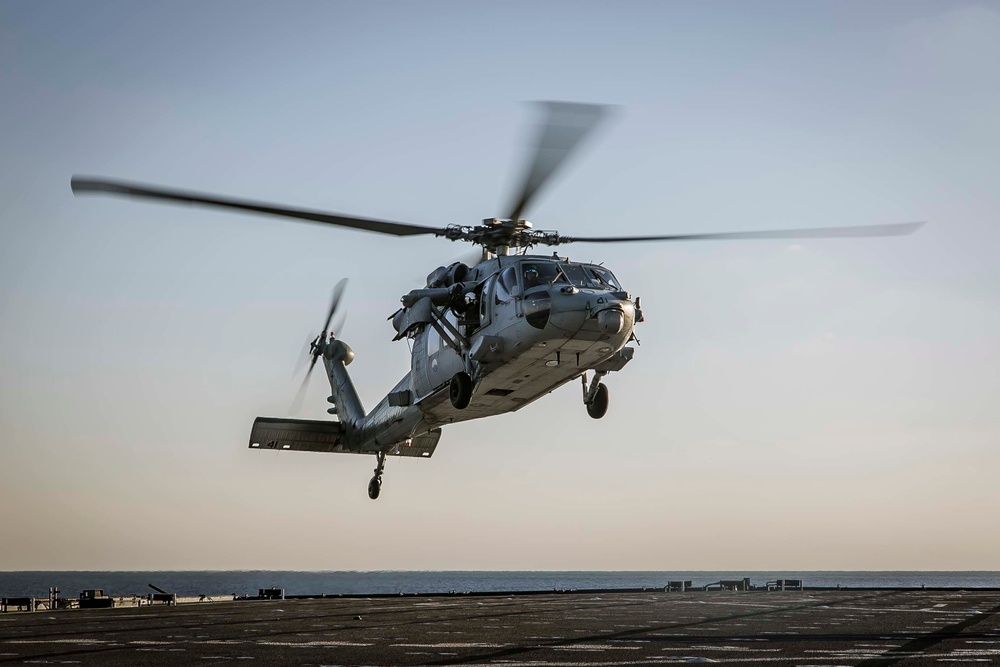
pixel 531 277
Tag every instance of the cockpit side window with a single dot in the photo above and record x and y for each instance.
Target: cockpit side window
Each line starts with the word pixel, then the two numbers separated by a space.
pixel 539 274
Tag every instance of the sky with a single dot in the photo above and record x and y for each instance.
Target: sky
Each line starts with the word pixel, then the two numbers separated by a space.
pixel 812 405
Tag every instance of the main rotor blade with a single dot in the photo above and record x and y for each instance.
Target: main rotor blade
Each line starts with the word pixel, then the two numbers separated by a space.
pixel 895 229
pixel 88 185
pixel 565 125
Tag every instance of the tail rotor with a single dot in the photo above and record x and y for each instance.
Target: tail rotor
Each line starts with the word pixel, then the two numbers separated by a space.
pixel 318 343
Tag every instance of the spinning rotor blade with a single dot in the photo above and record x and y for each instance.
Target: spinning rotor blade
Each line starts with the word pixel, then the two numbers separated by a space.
pixel 566 124
pixel 338 292
pixel 470 258
pixel 87 185
pixel 300 395
pixel 315 350
pixel 895 229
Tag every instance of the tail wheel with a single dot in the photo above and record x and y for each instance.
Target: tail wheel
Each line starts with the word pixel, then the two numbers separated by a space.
pixel 461 390
pixel 598 407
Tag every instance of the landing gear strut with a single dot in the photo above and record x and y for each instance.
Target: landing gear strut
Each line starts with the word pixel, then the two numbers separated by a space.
pixel 375 485
pixel 595 397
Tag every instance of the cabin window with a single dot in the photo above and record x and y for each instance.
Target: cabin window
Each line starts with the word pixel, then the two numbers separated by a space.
pixel 433 341
pixel 485 299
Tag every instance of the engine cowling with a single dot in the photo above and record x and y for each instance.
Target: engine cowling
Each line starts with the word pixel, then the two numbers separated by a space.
pixel 445 276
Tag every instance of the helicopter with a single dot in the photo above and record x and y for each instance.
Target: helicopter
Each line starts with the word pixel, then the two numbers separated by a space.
pixel 487 338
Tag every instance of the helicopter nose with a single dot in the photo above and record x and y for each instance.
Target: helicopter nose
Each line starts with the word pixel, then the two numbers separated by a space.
pixel 603 313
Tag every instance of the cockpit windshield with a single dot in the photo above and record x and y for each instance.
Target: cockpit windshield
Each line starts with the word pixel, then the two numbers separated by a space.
pixel 603 278
pixel 574 274
pixel 544 273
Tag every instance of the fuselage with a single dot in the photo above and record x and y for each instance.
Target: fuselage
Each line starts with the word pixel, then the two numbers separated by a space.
pixel 529 325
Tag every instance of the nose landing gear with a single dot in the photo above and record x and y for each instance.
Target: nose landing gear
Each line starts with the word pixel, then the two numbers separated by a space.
pixel 375 485
pixel 598 407
pixel 595 397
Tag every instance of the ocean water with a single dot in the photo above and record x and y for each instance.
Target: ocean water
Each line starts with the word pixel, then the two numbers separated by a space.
pixel 221 583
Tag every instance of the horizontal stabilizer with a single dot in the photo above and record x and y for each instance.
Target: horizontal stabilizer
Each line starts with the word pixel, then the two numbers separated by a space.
pixel 304 435
pixel 421 446
pixel 307 435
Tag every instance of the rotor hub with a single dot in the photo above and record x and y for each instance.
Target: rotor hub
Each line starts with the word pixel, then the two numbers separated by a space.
pixel 499 233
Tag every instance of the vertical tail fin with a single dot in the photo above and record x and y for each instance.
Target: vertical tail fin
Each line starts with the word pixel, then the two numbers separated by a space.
pixel 336 356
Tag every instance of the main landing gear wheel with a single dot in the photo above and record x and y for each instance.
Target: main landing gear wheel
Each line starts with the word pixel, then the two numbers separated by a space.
pixel 598 406
pixel 460 390
pixel 375 485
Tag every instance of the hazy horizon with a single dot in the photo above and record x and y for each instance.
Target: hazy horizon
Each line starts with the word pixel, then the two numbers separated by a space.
pixel 543 571
pixel 818 405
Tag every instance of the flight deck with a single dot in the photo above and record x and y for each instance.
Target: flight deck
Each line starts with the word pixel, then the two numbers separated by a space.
pixel 565 629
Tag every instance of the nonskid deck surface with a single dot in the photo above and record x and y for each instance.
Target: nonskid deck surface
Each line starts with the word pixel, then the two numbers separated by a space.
pixel 857 627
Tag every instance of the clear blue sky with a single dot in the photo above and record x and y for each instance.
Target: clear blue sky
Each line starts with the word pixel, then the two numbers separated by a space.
pixel 827 405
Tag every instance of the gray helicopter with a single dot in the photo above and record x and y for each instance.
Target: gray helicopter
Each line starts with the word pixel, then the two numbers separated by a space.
pixel 486 339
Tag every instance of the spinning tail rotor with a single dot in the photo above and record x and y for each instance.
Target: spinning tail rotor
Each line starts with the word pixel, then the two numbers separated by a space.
pixel 320 341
